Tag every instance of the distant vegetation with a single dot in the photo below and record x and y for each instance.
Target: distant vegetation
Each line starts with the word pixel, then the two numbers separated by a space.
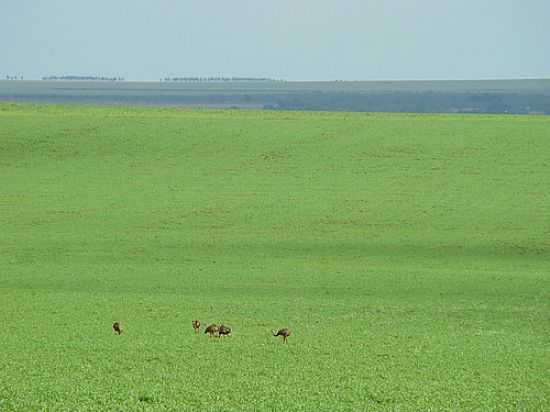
pixel 89 78
pixel 217 79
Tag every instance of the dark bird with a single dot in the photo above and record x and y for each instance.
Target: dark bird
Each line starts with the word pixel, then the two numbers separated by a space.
pixel 285 333
pixel 212 329
pixel 196 325
pixel 117 327
pixel 224 331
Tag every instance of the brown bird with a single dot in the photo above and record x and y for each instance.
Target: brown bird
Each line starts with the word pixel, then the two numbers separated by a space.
pixel 117 327
pixel 285 333
pixel 212 329
pixel 196 325
pixel 224 331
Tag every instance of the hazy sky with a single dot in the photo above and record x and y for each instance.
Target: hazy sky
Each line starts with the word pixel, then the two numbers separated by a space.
pixel 289 39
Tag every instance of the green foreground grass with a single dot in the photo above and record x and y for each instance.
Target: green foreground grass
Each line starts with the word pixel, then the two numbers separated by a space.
pixel 410 255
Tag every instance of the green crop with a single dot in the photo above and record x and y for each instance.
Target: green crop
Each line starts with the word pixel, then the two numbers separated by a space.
pixel 409 254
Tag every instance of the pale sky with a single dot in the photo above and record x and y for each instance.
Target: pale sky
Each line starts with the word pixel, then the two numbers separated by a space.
pixel 287 39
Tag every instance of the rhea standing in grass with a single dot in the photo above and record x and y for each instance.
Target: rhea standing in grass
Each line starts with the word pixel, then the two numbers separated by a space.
pixel 117 327
pixel 285 333
pixel 212 329
pixel 224 331
pixel 196 325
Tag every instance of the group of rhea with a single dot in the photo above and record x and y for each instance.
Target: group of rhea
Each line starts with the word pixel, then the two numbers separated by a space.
pixel 215 329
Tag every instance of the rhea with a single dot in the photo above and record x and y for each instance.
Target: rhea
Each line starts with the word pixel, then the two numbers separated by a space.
pixel 117 327
pixel 212 329
pixel 196 325
pixel 285 333
pixel 224 331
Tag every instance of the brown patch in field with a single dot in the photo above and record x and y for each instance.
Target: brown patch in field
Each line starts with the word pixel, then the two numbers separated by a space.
pixel 272 155
pixel 335 221
pixel 466 152
pixel 470 171
pixel 328 135
pixel 210 211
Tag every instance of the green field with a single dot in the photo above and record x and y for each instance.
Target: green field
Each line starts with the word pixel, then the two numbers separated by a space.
pixel 410 255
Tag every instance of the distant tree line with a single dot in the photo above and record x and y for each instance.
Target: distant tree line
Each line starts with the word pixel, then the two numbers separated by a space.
pixel 217 79
pixel 8 77
pixel 94 78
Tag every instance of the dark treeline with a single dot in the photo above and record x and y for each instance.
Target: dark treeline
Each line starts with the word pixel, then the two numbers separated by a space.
pixel 89 78
pixel 217 79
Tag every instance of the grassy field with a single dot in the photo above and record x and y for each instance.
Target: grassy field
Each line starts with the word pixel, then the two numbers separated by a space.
pixel 410 255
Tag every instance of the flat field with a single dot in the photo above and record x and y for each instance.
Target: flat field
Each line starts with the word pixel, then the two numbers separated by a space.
pixel 409 254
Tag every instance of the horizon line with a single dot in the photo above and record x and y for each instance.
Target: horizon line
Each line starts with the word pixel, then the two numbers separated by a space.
pixel 266 79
